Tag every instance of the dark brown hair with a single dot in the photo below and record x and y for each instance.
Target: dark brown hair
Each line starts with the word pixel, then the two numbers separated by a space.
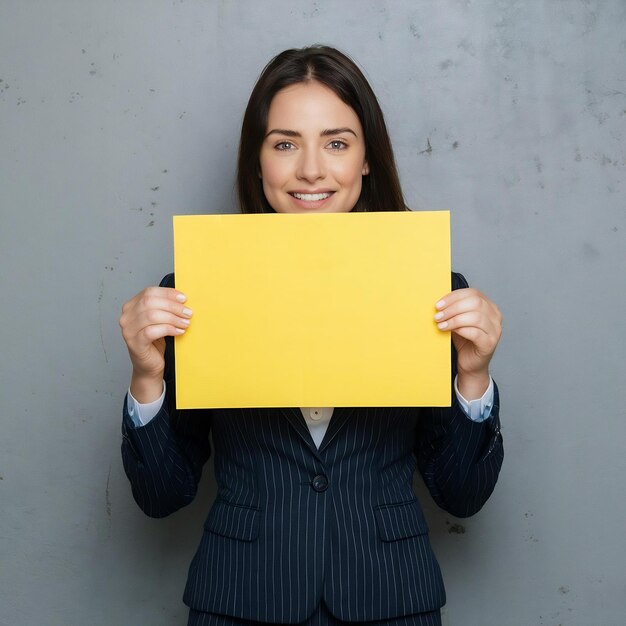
pixel 381 189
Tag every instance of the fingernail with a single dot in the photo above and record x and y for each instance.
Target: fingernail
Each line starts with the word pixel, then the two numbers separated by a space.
pixel 440 304
pixel 438 316
pixel 185 322
pixel 442 325
pixel 181 297
pixel 180 331
pixel 187 312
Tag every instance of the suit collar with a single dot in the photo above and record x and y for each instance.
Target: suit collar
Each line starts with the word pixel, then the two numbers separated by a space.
pixel 295 418
pixel 340 417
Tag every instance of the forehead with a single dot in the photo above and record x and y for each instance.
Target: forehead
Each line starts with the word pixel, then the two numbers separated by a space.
pixel 310 105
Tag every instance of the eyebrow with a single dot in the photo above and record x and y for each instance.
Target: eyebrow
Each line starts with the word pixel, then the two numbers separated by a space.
pixel 325 133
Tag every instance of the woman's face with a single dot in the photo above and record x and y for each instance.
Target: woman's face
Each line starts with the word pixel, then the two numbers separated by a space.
pixel 313 155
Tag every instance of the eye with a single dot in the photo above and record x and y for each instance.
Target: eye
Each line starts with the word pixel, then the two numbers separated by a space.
pixel 284 145
pixel 337 144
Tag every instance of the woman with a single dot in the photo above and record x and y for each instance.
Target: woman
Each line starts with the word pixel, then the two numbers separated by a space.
pixel 315 520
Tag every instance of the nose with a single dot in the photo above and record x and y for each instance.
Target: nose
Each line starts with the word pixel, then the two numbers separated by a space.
pixel 311 166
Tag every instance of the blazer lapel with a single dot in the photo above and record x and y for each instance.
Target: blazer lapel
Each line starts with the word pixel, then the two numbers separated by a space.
pixel 295 418
pixel 340 417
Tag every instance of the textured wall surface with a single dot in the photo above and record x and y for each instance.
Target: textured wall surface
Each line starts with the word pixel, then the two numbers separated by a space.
pixel 116 115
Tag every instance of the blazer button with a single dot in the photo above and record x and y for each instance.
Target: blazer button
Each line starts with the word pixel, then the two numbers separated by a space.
pixel 320 483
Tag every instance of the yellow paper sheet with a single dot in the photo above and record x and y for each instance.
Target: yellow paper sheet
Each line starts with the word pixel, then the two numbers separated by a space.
pixel 313 310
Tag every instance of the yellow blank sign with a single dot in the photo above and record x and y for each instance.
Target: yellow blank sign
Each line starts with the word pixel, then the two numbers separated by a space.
pixel 313 310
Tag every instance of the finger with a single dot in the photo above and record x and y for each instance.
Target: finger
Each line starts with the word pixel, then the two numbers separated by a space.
pixel 151 310
pixel 160 300
pixel 156 331
pixel 471 302
pixel 158 316
pixel 482 343
pixel 153 303
pixel 456 295
pixel 142 343
pixel 476 328
pixel 165 293
pixel 152 317
pixel 471 319
pixel 478 338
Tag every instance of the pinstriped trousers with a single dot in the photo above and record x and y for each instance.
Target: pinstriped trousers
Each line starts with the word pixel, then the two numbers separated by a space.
pixel 321 617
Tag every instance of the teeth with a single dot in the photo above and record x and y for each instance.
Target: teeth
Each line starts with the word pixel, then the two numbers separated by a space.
pixel 311 197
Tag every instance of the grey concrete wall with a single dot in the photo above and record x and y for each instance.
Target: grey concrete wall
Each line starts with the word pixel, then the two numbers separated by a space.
pixel 115 115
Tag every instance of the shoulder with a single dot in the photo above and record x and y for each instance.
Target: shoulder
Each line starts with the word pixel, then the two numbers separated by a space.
pixel 168 281
pixel 458 281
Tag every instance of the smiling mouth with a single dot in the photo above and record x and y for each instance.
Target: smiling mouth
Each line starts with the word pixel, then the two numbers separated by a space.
pixel 312 197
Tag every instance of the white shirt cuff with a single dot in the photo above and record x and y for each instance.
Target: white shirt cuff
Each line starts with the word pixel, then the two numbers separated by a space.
pixel 477 410
pixel 141 414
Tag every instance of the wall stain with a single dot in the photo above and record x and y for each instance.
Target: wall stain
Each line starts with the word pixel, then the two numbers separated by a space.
pixel 592 107
pixel 107 497
pixel 154 188
pixel 180 117
pixel 563 589
pixel 467 46
pixel 455 145
pixel 457 529
pixel 444 65
pixel 106 357
pixel 414 31
pixel 315 11
pixel 429 148
pixel 590 252
pixel 150 223
pixel 165 171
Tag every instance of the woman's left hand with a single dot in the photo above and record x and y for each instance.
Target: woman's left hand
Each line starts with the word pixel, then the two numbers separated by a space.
pixel 476 326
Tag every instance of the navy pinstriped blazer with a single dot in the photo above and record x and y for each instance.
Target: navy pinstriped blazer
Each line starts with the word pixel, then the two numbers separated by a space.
pixel 292 524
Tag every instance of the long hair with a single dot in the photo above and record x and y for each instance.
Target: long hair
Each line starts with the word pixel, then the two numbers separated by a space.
pixel 381 189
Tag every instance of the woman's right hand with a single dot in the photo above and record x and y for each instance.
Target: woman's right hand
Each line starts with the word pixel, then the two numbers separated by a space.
pixel 149 317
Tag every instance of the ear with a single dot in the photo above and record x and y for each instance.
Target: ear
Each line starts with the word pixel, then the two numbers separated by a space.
pixel 366 169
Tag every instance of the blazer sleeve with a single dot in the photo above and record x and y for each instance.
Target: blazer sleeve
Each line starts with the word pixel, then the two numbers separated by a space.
pixel 163 459
pixel 459 459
